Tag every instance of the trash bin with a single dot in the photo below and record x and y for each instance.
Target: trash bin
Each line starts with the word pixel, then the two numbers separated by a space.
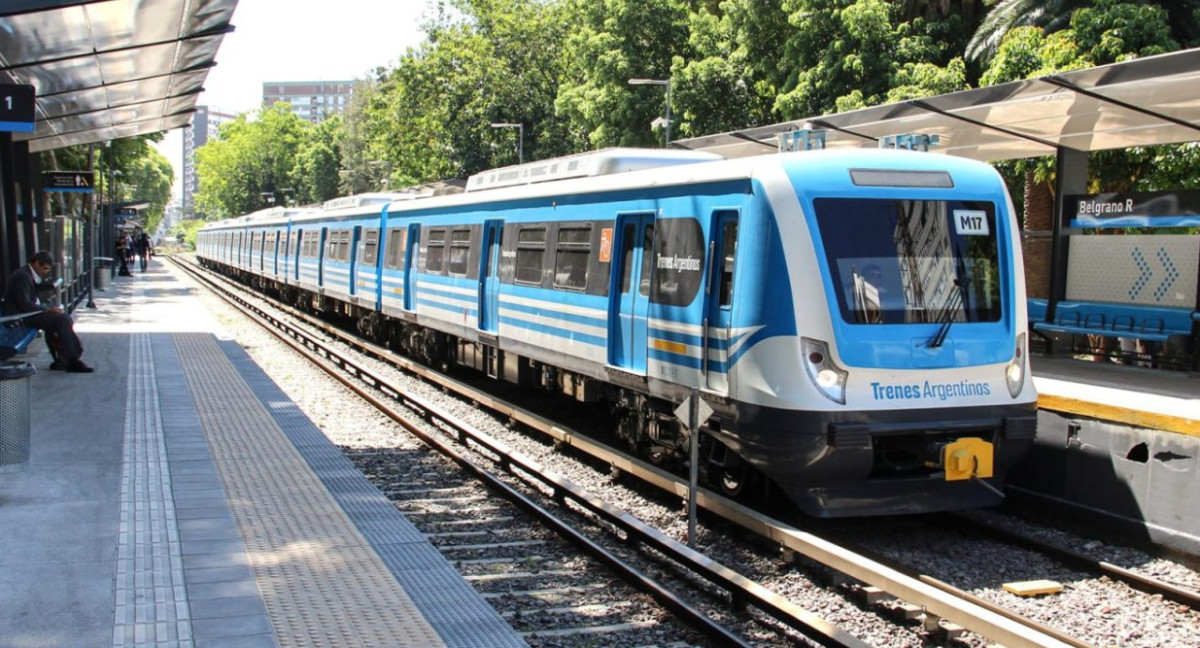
pixel 14 415
pixel 101 277
pixel 102 274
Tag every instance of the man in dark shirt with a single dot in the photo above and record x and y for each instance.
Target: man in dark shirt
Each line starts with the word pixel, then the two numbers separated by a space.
pixel 21 296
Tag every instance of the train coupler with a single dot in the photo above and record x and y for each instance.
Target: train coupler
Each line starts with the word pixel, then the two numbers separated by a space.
pixel 965 458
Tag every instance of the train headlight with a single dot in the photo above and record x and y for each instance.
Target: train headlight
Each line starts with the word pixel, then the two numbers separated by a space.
pixel 1014 374
pixel 829 378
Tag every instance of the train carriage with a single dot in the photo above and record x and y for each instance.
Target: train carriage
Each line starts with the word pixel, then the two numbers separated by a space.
pixel 853 318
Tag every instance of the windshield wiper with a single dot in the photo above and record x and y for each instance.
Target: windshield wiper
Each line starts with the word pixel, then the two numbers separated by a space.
pixel 956 300
pixel 946 318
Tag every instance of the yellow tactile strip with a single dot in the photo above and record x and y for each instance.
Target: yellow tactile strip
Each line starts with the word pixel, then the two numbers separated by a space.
pixel 1118 414
pixel 321 582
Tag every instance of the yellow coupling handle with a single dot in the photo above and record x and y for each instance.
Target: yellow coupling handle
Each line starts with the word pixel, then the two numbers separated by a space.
pixel 966 458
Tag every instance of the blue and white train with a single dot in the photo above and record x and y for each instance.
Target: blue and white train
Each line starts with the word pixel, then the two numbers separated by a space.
pixel 855 319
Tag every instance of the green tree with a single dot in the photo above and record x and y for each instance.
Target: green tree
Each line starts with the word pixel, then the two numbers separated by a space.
pixel 483 62
pixel 147 177
pixel 315 175
pixel 737 70
pixel 1055 15
pixel 244 169
pixel 847 55
pixel 614 41
pixel 353 137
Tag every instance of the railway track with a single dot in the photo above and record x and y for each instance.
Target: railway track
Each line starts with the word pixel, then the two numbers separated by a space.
pixel 936 603
pixel 538 581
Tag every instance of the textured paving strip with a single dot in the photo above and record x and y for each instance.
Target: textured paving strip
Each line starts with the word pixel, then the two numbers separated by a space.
pixel 323 585
pixel 151 601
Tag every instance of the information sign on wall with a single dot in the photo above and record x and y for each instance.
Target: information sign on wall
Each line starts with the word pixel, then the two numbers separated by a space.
pixel 1179 208
pixel 75 181
pixel 16 108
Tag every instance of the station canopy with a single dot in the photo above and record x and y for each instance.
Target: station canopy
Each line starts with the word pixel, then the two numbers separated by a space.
pixel 1143 102
pixel 108 69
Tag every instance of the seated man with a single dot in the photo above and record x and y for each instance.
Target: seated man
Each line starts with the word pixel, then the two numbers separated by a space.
pixel 21 296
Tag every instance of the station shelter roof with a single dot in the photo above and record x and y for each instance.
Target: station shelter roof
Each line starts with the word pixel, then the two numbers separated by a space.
pixel 108 69
pixel 1142 102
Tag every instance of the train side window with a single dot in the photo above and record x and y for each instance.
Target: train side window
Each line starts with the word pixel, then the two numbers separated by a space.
pixel 678 267
pixel 531 254
pixel 627 256
pixel 460 251
pixel 437 251
pixel 571 257
pixel 647 261
pixel 370 247
pixel 397 244
pixel 727 260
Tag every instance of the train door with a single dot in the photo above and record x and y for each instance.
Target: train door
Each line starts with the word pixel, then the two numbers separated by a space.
pixel 410 267
pixel 262 252
pixel 322 255
pixel 719 313
pixel 351 251
pixel 489 276
pixel 629 301
pixel 294 251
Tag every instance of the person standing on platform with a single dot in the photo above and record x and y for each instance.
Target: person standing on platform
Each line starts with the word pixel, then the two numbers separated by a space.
pixel 141 245
pixel 122 253
pixel 21 296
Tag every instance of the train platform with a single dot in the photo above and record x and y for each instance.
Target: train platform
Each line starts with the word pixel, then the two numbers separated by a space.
pixel 1117 448
pixel 176 497
pixel 1157 399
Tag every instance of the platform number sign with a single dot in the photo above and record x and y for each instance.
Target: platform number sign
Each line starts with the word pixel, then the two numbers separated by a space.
pixel 16 108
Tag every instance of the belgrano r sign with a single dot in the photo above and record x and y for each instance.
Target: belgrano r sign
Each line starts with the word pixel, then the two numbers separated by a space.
pixel 1179 208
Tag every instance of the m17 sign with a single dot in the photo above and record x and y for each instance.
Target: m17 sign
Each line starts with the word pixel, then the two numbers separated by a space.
pixel 16 108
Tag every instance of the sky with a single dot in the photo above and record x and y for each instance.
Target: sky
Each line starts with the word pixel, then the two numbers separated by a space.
pixel 301 40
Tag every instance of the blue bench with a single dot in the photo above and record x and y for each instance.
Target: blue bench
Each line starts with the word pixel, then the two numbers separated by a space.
pixel 1150 323
pixel 14 337
pixel 1037 310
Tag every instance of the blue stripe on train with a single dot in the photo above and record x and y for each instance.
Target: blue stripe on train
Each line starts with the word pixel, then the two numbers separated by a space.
pixel 565 334
pixel 573 318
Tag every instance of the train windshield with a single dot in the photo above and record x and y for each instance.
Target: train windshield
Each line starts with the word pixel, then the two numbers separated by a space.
pixel 911 261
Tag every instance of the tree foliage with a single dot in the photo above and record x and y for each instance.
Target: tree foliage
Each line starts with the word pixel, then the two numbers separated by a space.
pixel 252 161
pixel 561 69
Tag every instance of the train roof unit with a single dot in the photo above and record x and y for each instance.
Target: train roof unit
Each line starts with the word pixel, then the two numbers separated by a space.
pixel 592 163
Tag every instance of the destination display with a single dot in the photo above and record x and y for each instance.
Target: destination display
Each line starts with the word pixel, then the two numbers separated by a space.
pixel 1179 208
pixel 16 108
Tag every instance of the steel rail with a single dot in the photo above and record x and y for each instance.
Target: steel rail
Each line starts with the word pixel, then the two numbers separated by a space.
pixel 1147 584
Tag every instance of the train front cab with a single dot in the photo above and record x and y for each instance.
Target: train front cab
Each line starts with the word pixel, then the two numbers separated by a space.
pixel 920 359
